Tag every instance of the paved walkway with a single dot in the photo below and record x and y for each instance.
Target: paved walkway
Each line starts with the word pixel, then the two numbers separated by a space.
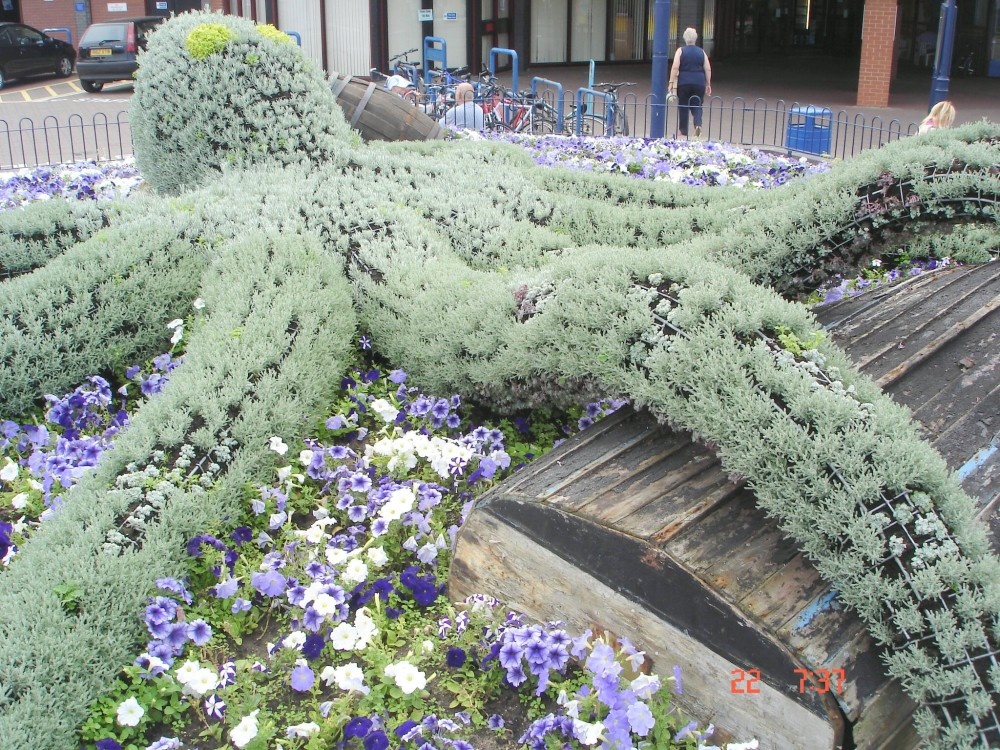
pixel 821 81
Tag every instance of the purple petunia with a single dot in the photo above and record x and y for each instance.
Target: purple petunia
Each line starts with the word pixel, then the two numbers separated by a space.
pixel 269 583
pixel 359 726
pixel 199 632
pixel 303 678
pixel 455 657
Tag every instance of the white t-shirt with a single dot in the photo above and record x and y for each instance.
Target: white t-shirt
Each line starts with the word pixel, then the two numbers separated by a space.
pixel 468 116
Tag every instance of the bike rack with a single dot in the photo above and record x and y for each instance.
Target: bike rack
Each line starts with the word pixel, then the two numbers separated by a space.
pixel 584 91
pixel 433 54
pixel 559 88
pixel 296 36
pixel 493 64
pixel 67 32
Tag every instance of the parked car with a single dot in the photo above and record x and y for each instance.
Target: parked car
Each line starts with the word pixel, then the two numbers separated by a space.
pixel 25 51
pixel 109 51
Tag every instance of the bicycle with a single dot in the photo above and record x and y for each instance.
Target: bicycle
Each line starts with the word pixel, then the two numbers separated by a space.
pixel 439 95
pixel 963 64
pixel 402 66
pixel 614 121
pixel 517 113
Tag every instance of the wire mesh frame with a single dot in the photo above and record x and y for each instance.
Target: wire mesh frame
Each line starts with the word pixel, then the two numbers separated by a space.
pixel 893 201
pixel 951 709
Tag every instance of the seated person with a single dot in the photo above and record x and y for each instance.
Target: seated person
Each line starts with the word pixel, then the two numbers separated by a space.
pixel 466 114
pixel 402 87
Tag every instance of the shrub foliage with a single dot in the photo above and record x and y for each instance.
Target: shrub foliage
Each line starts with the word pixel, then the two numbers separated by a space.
pixel 212 92
pixel 478 272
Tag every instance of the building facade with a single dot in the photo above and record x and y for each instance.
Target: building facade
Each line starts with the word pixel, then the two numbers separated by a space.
pixel 352 36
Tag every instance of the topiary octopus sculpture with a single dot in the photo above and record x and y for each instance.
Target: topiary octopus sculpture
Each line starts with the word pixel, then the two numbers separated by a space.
pixel 481 273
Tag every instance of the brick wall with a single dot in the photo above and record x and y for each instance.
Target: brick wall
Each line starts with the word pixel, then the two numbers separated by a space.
pixel 878 41
pixel 55 14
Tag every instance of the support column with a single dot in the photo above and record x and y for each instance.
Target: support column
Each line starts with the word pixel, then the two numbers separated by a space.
pixel 878 39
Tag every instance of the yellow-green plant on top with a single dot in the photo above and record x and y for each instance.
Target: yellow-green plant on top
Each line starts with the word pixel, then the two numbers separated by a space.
pixel 207 39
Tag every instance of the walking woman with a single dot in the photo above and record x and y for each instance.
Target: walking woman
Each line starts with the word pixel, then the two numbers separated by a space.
pixel 690 81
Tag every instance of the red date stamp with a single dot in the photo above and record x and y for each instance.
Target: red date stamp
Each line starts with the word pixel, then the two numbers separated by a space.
pixel 747 681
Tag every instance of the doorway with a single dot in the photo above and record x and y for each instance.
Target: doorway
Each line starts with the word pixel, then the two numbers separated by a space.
pixel 495 26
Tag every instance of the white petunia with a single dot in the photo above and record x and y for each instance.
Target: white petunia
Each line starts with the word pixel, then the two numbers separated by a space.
pixel 177 335
pixel 407 677
pixel 9 472
pixel 202 681
pixel 308 729
pixel 365 628
pixel 386 411
pixel 335 555
pixel 347 677
pixel 344 637
pixel 277 445
pixel 400 501
pixel 295 640
pixel 175 323
pixel 355 572
pixel 586 733
pixel 246 730
pixel 198 304
pixel 186 671
pixel 305 457
pixel 325 605
pixel 377 556
pixel 19 501
pixel 130 712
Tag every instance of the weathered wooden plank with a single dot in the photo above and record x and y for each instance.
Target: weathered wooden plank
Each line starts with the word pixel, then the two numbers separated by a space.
pixel 494 557
pixel 786 593
pixel 561 468
pixel 615 487
pixel 676 465
pixel 662 519
pixel 734 548
pixel 887 723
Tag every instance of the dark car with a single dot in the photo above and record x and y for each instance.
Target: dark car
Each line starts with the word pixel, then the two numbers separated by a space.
pixel 109 51
pixel 25 51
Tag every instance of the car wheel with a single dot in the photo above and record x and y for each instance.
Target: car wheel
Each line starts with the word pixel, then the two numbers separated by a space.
pixel 91 87
pixel 3 79
pixel 64 67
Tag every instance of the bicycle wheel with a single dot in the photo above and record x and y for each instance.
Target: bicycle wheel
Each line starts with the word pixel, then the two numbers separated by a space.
pixel 542 125
pixel 591 125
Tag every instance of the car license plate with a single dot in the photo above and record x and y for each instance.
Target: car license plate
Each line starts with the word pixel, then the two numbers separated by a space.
pixel 100 52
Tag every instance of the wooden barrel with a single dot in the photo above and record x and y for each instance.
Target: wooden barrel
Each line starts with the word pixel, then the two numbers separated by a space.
pixel 632 528
pixel 380 115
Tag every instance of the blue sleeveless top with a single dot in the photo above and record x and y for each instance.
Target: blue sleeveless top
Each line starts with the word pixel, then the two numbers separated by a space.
pixel 692 68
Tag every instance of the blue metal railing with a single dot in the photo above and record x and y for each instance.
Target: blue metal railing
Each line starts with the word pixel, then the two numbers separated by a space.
pixel 434 54
pixel 560 98
pixel 582 108
pixel 514 66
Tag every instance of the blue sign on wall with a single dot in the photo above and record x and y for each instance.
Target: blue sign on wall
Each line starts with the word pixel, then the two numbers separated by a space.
pixel 80 7
pixel 451 16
